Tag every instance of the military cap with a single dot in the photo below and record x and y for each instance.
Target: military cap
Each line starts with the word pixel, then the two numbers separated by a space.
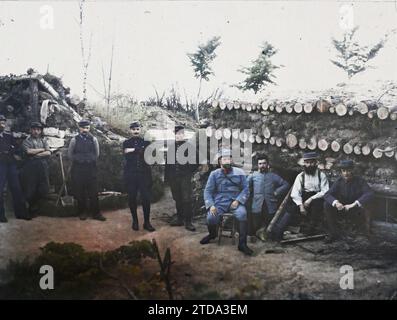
pixel 135 124
pixel 178 128
pixel 346 164
pixel 2 118
pixel 84 123
pixel 36 124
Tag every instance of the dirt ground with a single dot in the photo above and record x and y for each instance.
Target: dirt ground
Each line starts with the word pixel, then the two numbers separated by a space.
pixel 304 271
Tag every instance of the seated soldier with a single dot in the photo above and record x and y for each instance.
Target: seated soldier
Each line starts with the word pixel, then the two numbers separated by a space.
pixel 349 194
pixel 227 191
pixel 267 188
pixel 306 204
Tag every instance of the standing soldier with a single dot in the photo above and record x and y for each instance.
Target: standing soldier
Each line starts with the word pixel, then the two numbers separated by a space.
pixel 267 188
pixel 9 174
pixel 84 152
pixel 34 175
pixel 179 177
pixel 227 191
pixel 137 176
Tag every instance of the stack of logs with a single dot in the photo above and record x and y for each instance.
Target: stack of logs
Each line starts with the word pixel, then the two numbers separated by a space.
pixel 364 131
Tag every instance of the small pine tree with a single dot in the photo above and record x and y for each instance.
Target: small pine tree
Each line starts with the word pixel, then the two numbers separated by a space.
pixel 260 73
pixel 352 57
pixel 200 60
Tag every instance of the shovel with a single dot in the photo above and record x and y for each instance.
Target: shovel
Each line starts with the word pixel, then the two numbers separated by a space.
pixel 66 200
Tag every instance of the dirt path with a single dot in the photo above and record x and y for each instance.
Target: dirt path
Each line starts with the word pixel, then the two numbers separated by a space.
pixel 307 271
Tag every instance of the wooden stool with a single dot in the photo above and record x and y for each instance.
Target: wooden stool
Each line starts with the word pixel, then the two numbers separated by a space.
pixel 232 231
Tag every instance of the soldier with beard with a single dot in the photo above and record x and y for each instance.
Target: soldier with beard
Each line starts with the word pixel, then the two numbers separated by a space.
pixel 306 203
pixel 308 192
pixel 266 188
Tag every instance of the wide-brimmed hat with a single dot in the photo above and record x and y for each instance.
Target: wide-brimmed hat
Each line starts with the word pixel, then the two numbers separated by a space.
pixel 310 156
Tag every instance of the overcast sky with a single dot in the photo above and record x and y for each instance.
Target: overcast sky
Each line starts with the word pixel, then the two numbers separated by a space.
pixel 152 39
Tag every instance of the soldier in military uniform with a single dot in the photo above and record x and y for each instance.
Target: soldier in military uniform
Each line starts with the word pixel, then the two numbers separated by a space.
pixel 227 191
pixel 137 176
pixel 179 177
pixel 84 152
pixel 34 174
pixel 9 174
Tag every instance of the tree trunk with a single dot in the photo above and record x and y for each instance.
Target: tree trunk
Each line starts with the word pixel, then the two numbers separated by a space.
pixel 34 100
pixel 289 108
pixel 366 149
pixel 222 105
pixel 308 107
pixel 322 106
pixel 337 144
pixel 312 145
pixel 265 106
pixel 215 103
pixel 198 101
pixel 302 143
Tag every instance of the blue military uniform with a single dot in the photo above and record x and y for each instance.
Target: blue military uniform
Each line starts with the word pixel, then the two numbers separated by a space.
pixel 9 174
pixel 222 189
pixel 266 188
pixel 137 177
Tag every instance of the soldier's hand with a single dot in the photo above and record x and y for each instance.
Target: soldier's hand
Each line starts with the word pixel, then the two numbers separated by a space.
pixel 349 206
pixel 302 210
pixel 340 206
pixel 234 204
pixel 128 150
pixel 213 210
pixel 307 203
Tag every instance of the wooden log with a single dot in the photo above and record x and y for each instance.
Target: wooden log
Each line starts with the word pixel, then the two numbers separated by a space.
pixel 236 105
pixel 337 144
pixel 289 108
pixel 215 103
pixel 350 112
pixel 312 145
pixel 371 114
pixel 348 147
pixel 251 138
pixel 291 140
pixel 308 107
pixel 377 153
pixel 265 105
pixel 265 141
pixel 302 143
pixel 331 109
pixel 243 136
pixel 298 108
pixel 322 144
pixel 266 132
pixel 272 140
pixel 227 133
pixel 243 106
pixel 361 107
pixel 302 239
pixel 393 116
pixel 340 109
pixel 382 113
pixel 357 149
pixel 258 139
pixel 279 108
pixel 279 142
pixel 322 106
pixel 236 134
pixel 271 107
pixel 389 153
pixel 218 134
pixel 229 105
pixel 222 105
pixel 366 149
pixel 248 107
pixel 209 131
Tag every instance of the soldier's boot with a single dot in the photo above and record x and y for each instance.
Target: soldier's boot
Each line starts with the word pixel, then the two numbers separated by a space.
pixel 242 239
pixel 177 220
pixel 212 229
pixel 135 223
pixel 146 224
pixel 188 213
pixel 257 222
pixel 3 219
